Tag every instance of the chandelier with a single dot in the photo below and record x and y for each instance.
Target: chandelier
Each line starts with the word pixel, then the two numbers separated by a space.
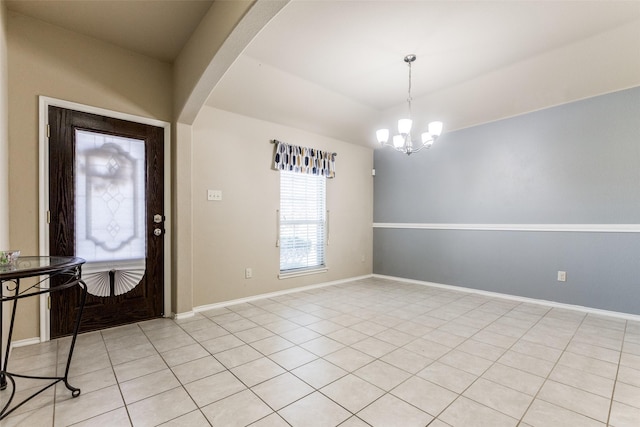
pixel 403 141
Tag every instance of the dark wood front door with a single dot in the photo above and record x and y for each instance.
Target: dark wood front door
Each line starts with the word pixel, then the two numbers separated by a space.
pixel 106 204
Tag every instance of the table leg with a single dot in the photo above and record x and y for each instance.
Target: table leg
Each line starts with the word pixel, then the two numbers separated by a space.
pixel 3 364
pixel 3 380
pixel 75 392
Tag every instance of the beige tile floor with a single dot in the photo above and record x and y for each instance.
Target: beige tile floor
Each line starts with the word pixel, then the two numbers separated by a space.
pixel 368 353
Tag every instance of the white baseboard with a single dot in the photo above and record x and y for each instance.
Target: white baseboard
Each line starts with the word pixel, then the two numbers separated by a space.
pixel 277 293
pixel 22 343
pixel 182 316
pixel 563 228
pixel 188 314
pixel 617 314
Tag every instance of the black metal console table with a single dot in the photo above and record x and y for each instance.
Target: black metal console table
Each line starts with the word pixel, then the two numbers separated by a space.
pixel 68 270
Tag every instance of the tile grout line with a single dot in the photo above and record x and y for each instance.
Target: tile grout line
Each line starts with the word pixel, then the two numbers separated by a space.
pixel 124 402
pixel 232 373
pixel 414 375
pixel 172 373
pixel 494 362
pixel 615 382
pixel 552 369
pixel 352 414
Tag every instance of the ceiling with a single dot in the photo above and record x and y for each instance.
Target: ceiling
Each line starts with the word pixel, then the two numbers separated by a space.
pixel 156 28
pixel 335 67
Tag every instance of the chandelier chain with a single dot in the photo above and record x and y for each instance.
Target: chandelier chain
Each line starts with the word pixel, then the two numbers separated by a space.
pixel 409 98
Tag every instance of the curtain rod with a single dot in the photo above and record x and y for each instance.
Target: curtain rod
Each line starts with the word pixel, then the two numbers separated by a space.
pixel 274 141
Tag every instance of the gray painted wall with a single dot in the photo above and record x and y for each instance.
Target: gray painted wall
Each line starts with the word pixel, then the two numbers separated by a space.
pixel 577 163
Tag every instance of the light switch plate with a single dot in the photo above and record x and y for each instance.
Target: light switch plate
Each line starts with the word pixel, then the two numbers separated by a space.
pixel 214 195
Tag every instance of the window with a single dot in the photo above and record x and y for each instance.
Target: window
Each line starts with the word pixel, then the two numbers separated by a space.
pixel 302 222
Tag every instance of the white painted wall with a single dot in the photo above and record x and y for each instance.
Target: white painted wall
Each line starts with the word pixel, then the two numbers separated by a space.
pixel 233 153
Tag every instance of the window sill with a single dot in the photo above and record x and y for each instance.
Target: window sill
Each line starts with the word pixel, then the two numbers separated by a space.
pixel 290 274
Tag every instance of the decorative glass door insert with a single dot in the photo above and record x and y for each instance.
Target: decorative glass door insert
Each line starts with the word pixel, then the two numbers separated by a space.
pixel 110 205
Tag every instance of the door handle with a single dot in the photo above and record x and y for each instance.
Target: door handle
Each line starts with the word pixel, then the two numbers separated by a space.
pixel 157 231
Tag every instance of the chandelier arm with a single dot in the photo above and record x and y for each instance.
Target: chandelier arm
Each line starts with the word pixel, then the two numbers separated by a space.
pixel 403 148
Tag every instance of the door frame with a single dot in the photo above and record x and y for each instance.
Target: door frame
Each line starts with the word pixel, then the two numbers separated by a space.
pixel 43 192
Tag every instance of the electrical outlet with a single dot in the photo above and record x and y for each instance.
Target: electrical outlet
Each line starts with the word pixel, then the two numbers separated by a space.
pixel 562 276
pixel 248 273
pixel 214 195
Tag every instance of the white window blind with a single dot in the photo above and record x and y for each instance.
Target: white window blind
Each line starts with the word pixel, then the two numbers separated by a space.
pixel 302 221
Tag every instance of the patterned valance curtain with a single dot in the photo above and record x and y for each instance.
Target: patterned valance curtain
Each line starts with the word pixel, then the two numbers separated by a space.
pixel 304 160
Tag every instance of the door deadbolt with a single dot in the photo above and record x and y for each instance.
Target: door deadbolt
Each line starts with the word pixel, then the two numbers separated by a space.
pixel 157 218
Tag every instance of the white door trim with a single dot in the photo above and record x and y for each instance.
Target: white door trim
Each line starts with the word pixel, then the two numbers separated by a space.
pixel 43 198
